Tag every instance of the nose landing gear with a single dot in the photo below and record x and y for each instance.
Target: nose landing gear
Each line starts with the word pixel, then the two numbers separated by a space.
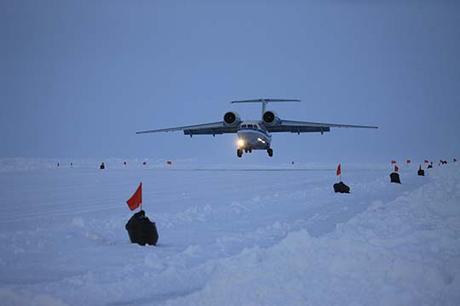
pixel 239 152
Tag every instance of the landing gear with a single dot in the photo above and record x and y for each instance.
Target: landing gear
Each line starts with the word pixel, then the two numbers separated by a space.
pixel 270 152
pixel 239 153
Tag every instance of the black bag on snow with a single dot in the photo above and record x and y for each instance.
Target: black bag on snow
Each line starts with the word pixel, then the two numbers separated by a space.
pixel 394 176
pixel 341 187
pixel 421 172
pixel 141 230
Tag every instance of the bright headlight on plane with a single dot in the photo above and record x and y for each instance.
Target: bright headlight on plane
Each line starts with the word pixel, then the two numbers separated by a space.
pixel 240 142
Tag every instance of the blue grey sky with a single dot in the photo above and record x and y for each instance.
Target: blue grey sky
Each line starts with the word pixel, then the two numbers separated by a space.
pixel 78 78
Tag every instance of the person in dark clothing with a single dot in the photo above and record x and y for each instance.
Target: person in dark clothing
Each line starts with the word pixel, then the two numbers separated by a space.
pixel 420 171
pixel 394 177
pixel 102 166
pixel 341 188
pixel 141 230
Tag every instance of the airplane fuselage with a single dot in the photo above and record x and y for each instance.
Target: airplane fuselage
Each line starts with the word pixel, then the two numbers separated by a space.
pixel 253 136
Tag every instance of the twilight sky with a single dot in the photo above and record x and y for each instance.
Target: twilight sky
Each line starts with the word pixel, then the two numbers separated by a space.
pixel 78 78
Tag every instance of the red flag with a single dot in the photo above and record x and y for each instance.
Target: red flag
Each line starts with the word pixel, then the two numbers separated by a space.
pixel 136 198
pixel 427 161
pixel 393 162
pixel 339 170
pixel 396 168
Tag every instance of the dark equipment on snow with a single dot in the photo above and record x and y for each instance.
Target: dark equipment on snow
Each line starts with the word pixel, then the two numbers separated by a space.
pixel 144 163
pixel 430 166
pixel 341 187
pixel 420 171
pixel 394 176
pixel 102 166
pixel 141 230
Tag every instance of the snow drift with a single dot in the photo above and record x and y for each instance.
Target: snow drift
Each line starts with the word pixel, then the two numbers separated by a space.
pixel 230 238
pixel 406 252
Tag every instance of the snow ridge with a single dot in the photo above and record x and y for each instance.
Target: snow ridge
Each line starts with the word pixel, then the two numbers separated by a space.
pixel 406 252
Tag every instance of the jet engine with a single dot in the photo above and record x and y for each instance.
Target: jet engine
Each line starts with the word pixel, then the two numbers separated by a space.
pixel 231 119
pixel 270 118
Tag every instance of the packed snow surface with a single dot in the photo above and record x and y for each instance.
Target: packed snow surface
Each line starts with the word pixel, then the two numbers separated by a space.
pixel 228 236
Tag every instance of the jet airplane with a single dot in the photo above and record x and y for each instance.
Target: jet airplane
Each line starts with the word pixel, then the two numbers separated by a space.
pixel 255 134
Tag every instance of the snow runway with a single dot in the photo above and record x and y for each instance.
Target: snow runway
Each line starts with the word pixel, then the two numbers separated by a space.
pixel 229 236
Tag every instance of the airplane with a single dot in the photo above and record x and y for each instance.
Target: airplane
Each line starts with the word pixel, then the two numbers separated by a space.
pixel 255 134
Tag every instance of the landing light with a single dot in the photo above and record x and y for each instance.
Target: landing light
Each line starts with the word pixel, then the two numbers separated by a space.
pixel 240 142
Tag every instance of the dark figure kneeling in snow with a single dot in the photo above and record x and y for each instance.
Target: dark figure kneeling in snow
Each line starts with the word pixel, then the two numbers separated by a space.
pixel 420 171
pixel 141 230
pixel 341 187
pixel 394 176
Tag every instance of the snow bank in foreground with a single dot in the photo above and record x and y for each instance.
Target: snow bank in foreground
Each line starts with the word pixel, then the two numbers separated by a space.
pixel 406 252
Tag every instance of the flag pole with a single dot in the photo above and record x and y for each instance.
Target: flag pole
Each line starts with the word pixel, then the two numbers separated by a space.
pixel 341 172
pixel 141 196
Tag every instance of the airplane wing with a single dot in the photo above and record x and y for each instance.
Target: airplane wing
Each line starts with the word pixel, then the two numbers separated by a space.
pixel 212 128
pixel 309 127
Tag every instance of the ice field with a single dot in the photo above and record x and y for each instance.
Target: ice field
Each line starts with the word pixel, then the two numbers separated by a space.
pixel 228 235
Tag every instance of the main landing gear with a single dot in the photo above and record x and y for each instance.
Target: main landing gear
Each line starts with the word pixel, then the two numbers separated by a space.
pixel 270 152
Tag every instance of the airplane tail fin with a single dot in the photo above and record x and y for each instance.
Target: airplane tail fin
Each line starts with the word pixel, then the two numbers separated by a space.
pixel 264 102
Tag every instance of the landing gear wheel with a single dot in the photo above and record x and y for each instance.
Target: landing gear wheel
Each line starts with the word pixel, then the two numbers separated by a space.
pixel 239 153
pixel 270 152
